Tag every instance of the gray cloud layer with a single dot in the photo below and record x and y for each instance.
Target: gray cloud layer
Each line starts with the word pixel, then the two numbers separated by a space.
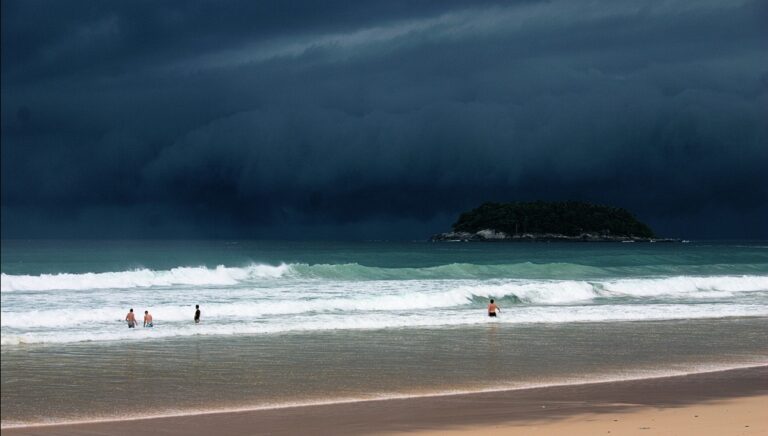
pixel 378 120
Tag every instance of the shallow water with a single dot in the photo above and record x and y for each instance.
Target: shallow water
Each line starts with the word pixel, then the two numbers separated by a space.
pixel 186 374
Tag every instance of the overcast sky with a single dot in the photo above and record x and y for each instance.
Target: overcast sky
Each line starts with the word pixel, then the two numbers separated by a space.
pixel 378 120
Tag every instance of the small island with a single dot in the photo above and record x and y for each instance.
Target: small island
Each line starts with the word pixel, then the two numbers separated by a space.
pixel 549 221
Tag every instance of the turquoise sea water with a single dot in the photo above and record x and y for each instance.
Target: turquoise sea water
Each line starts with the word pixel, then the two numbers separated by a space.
pixel 287 322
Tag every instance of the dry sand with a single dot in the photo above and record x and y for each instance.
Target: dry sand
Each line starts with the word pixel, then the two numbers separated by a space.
pixel 730 402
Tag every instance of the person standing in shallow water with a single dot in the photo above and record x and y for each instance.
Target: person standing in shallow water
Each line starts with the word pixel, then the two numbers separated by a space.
pixel 197 314
pixel 131 319
pixel 492 308
pixel 147 319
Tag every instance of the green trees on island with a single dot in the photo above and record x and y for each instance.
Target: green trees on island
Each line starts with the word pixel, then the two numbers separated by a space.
pixel 569 218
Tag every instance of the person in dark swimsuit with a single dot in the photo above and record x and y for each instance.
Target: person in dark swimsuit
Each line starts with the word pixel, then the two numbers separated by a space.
pixel 492 308
pixel 131 319
pixel 197 314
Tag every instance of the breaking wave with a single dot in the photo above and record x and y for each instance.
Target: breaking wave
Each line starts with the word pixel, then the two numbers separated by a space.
pixel 407 297
pixel 260 298
pixel 526 315
pixel 585 276
pixel 141 278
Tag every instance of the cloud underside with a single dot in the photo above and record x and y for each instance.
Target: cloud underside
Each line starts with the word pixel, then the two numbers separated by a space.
pixel 187 120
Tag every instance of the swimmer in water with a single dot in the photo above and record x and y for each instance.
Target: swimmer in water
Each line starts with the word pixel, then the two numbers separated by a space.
pixel 131 319
pixel 147 319
pixel 492 308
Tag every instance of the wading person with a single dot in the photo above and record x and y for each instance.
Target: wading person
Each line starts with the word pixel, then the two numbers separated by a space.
pixel 131 319
pixel 197 314
pixel 147 319
pixel 492 308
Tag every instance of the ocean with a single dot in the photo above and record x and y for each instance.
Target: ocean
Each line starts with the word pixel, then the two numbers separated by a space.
pixel 287 323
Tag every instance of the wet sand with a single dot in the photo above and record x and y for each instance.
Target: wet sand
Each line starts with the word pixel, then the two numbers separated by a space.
pixel 723 402
pixel 739 416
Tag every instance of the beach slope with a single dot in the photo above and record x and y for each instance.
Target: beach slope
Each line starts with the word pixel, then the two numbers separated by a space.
pixel 722 403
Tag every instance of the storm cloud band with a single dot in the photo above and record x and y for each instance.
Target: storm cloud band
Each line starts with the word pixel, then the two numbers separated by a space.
pixel 378 119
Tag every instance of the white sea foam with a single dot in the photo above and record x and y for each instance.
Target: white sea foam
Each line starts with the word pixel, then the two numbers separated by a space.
pixel 685 284
pixel 140 278
pixel 274 298
pixel 535 292
pixel 375 320
pixel 360 297
pixel 572 291
pixel 230 276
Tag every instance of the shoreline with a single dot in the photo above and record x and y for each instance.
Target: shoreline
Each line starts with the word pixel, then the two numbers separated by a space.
pixel 452 409
pixel 392 397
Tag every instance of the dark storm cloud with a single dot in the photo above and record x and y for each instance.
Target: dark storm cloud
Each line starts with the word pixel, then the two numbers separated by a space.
pixel 378 119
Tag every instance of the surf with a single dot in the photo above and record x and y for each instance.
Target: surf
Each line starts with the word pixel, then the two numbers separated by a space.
pixel 141 278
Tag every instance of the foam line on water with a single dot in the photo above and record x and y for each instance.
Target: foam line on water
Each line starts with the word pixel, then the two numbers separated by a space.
pixel 141 278
pixel 117 331
pixel 231 276
pixel 385 296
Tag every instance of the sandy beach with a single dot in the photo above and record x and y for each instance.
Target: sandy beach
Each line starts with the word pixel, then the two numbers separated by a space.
pixel 739 416
pixel 718 403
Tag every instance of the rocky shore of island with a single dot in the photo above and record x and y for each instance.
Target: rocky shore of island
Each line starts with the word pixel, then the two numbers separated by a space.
pixel 490 235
